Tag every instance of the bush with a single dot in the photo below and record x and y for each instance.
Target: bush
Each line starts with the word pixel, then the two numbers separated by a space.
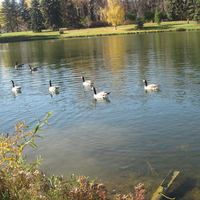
pixel 130 16
pixel 93 24
pixel 21 181
pixel 149 16
pixel 180 29
pixel 61 31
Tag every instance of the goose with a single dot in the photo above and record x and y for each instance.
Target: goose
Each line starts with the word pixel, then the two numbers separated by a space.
pixel 53 89
pixel 18 66
pixel 151 86
pixel 16 89
pixel 86 83
pixel 100 95
pixel 33 68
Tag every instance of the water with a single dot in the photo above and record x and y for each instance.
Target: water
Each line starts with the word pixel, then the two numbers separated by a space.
pixel 124 139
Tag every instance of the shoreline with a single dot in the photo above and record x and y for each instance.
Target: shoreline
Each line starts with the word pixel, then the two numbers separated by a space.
pixel 100 31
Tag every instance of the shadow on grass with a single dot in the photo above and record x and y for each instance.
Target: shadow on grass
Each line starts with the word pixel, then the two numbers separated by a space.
pixel 158 27
pixel 27 38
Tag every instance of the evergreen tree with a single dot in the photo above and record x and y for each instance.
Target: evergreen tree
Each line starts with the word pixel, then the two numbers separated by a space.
pixel 70 15
pixel 24 13
pixel 139 21
pixel 157 17
pixel 7 15
pixel 36 16
pixel 52 13
pixel 174 9
pixel 15 15
pixel 197 11
pixel 10 13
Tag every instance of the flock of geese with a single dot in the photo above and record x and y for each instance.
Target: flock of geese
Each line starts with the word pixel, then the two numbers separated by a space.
pixel 54 89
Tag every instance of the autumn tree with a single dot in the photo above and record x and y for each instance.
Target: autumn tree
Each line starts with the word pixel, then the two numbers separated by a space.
pixel 114 13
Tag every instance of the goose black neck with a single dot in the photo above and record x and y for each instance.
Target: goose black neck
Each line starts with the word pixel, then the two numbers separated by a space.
pixel 145 82
pixel 50 83
pixel 13 83
pixel 94 90
pixel 83 78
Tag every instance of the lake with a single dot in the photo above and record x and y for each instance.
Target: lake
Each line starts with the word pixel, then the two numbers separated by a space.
pixel 133 136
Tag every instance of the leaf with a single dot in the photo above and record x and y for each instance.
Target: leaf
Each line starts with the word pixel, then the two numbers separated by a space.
pixel 39 136
pixel 36 128
pixel 48 114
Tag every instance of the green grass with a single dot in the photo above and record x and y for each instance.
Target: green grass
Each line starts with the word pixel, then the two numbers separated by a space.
pixel 92 32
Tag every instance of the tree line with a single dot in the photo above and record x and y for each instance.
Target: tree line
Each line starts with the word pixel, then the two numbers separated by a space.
pixel 37 15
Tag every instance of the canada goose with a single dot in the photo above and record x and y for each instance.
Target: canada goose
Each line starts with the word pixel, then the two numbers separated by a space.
pixel 18 66
pixel 151 86
pixel 86 83
pixel 33 68
pixel 100 95
pixel 53 89
pixel 16 89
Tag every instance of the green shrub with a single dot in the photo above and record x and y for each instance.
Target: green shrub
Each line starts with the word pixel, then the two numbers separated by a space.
pixel 180 29
pixel 61 31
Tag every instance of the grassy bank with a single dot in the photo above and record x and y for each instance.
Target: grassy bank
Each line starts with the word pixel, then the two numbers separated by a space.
pixel 92 32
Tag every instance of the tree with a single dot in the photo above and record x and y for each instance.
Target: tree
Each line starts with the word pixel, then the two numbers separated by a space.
pixel 36 16
pixel 174 11
pixel 8 15
pixel 139 22
pixel 15 15
pixel 197 12
pixel 24 13
pixel 157 17
pixel 52 14
pixel 181 9
pixel 113 13
pixel 149 16
pixel 70 15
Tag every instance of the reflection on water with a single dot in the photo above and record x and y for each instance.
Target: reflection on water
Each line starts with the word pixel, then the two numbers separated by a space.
pixel 122 138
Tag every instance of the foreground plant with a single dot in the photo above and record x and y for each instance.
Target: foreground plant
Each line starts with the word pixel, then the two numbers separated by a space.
pixel 138 194
pixel 12 146
pixel 20 180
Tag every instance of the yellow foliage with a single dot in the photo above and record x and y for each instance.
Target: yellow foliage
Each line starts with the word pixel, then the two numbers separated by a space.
pixel 10 149
pixel 12 146
pixel 28 3
pixel 113 13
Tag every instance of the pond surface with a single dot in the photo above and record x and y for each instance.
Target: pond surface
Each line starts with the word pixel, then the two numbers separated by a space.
pixel 133 136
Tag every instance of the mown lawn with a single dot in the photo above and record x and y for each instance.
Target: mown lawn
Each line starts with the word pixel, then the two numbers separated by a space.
pixel 90 32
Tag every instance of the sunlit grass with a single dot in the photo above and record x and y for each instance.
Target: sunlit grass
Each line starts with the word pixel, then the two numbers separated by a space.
pixel 89 32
